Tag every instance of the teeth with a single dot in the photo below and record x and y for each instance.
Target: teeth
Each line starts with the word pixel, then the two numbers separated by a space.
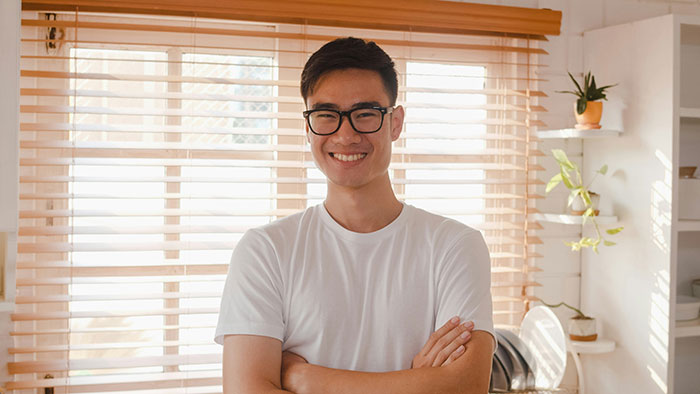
pixel 354 157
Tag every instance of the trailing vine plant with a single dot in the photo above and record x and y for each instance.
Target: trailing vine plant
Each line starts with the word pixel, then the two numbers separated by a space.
pixel 570 175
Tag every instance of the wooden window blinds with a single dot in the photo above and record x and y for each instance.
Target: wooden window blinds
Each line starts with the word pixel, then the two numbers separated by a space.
pixel 150 143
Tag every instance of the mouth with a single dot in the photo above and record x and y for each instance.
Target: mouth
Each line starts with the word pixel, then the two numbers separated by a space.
pixel 348 158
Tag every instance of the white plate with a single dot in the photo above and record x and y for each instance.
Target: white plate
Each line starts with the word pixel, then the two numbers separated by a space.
pixel 544 336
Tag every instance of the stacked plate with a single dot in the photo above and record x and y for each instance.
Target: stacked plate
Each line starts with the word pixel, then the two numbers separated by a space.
pixel 536 358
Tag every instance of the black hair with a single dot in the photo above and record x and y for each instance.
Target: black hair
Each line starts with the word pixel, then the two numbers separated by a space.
pixel 350 52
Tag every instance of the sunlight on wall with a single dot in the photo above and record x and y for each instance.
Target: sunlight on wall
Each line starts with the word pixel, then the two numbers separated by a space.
pixel 661 195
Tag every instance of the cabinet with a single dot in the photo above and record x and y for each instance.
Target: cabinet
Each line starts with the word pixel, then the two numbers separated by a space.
pixel 633 286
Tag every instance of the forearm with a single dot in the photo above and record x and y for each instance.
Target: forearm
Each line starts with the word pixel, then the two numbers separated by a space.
pixel 314 379
pixel 469 374
pixel 257 387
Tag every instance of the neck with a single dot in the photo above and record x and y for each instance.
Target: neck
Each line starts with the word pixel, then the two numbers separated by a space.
pixel 363 210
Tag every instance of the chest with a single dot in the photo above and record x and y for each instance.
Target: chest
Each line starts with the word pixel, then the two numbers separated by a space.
pixel 367 295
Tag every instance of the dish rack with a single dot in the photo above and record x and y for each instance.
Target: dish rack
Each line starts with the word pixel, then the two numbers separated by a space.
pixel 562 390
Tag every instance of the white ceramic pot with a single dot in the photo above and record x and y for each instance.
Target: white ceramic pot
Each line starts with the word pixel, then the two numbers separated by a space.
pixel 578 207
pixel 696 288
pixel 687 308
pixel 582 329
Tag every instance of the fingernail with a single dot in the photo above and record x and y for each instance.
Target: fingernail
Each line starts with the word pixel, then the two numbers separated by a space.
pixel 454 320
pixel 460 349
pixel 469 324
pixel 465 335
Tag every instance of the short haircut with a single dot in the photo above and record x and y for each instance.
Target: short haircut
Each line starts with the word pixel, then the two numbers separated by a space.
pixel 350 52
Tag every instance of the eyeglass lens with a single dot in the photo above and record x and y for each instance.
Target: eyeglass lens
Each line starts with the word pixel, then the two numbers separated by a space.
pixel 363 120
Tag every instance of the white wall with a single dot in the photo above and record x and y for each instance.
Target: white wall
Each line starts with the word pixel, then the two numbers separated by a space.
pixel 9 135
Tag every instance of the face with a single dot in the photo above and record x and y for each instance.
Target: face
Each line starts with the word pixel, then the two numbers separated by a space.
pixel 347 158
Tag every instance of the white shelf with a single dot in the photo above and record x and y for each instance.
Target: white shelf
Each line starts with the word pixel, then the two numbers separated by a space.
pixel 570 219
pixel 688 328
pixel 576 133
pixel 688 225
pixel 599 346
pixel 686 112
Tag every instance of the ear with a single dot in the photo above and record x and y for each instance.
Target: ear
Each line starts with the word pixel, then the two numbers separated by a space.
pixel 308 136
pixel 397 117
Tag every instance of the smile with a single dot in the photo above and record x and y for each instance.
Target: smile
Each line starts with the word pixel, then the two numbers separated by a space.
pixel 354 157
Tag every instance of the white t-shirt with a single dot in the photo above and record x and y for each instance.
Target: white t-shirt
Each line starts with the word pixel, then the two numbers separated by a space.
pixel 356 301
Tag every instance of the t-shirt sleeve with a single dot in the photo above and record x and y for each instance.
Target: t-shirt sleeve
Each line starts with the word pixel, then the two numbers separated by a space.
pixel 251 303
pixel 464 283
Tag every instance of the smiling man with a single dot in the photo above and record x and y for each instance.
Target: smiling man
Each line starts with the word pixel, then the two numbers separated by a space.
pixel 347 296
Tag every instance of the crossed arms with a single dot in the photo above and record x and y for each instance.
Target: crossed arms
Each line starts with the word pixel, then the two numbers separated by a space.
pixel 446 364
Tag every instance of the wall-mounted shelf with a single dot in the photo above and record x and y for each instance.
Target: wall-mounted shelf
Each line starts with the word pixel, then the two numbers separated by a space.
pixel 687 112
pixel 576 133
pixel 688 328
pixel 688 225
pixel 599 346
pixel 570 219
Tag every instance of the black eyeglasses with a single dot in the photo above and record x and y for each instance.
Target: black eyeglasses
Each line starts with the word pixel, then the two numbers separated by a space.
pixel 363 120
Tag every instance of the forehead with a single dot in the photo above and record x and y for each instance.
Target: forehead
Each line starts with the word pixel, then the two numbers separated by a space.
pixel 349 86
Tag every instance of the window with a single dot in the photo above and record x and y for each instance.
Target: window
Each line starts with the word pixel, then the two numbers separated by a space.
pixel 147 152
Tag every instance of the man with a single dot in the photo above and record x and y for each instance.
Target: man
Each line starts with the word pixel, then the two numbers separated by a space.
pixel 341 298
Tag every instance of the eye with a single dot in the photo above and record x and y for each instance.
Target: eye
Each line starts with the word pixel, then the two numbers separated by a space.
pixel 324 115
pixel 366 113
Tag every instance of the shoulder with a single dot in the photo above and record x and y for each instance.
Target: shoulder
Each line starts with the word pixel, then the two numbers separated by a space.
pixel 440 229
pixel 282 231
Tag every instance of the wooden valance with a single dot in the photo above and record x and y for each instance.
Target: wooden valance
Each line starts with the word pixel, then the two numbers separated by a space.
pixel 433 16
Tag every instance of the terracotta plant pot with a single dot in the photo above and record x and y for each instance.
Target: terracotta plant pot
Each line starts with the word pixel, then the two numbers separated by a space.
pixel 590 118
pixel 582 329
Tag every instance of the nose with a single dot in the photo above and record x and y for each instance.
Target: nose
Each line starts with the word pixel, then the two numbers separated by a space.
pixel 346 135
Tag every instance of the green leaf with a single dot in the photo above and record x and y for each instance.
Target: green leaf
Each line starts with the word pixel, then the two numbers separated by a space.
pixel 581 105
pixel 586 198
pixel 562 159
pixel 595 248
pixel 614 231
pixel 569 91
pixel 566 179
pixel 592 91
pixel 572 196
pixel 603 170
pixel 553 182
pixel 610 243
pixel 575 246
pixel 581 92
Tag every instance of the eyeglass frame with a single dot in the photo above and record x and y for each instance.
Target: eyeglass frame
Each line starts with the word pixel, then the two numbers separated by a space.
pixel 382 110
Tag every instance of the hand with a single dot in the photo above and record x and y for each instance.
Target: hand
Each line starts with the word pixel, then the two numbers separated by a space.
pixel 444 345
pixel 291 377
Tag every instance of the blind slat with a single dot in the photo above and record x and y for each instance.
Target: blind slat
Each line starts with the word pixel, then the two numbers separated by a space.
pixel 121 145
pixel 107 383
pixel 28 92
pixel 97 363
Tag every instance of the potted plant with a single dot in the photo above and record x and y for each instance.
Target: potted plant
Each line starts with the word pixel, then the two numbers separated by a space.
pixel 581 327
pixel 587 109
pixel 584 201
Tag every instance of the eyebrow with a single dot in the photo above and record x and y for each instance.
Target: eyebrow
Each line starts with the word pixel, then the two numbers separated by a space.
pixel 362 104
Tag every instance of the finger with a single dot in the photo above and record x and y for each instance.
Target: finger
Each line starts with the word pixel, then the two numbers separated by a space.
pixel 450 342
pixel 446 352
pixel 455 355
pixel 435 336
